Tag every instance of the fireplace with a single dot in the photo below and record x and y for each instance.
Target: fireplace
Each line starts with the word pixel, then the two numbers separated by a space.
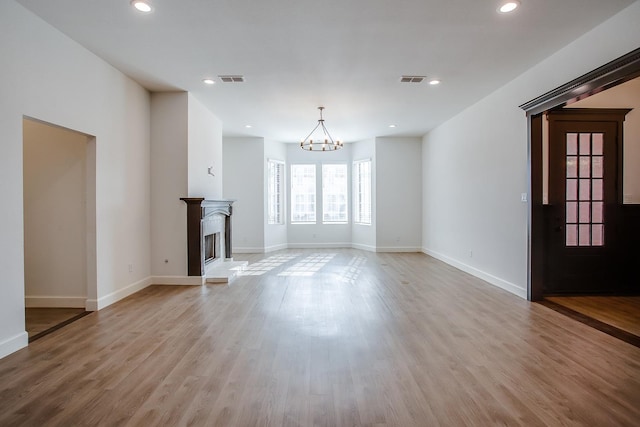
pixel 211 247
pixel 208 233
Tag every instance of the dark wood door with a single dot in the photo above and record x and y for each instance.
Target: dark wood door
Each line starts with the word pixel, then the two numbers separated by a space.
pixel 583 213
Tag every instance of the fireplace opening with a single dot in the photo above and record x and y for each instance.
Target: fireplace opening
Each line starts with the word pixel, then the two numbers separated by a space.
pixel 211 244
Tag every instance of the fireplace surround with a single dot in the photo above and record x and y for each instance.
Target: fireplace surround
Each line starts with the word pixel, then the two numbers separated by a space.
pixel 208 231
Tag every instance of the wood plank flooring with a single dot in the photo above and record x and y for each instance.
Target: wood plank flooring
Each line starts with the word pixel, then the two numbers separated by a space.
pixel 325 338
pixel 39 320
pixel 623 312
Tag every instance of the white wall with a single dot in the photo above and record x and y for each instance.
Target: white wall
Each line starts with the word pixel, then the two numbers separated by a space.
pixel 205 150
pixel 169 164
pixel 275 235
pixel 626 95
pixel 186 141
pixel 83 93
pixel 317 235
pixel 244 182
pixel 474 165
pixel 55 226
pixel 398 194
pixel 364 236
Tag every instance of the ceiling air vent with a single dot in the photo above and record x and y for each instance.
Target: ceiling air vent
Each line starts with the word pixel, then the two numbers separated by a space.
pixel 232 79
pixel 412 79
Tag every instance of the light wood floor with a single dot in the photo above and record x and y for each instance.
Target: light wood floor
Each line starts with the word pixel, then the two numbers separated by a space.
pixel 623 312
pixel 344 338
pixel 40 319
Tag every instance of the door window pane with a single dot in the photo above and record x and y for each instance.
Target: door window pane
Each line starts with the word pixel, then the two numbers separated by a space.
pixel 585 167
pixel 597 235
pixel 572 212
pixel 597 189
pixel 598 168
pixel 584 214
pixel 598 143
pixel 572 144
pixel 572 235
pixel 585 189
pixel 572 167
pixel 596 212
pixel 584 235
pixel 572 189
pixel 585 144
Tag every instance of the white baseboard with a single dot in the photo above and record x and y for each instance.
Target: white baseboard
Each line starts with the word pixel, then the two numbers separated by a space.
pixel 274 248
pixel 319 245
pixel 398 249
pixel 13 344
pixel 54 302
pixel 249 250
pixel 362 247
pixel 178 280
pixel 493 280
pixel 107 300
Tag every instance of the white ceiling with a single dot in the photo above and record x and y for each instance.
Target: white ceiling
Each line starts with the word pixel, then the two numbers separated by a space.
pixel 347 55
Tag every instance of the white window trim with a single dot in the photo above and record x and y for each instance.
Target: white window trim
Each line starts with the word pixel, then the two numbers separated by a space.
pixel 291 195
pixel 346 221
pixel 283 200
pixel 356 193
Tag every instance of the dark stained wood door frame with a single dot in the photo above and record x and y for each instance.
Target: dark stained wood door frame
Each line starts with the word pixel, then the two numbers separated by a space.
pixel 623 69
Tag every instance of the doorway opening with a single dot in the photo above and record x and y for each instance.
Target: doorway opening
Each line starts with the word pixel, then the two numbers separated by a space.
pixel 588 274
pixel 59 225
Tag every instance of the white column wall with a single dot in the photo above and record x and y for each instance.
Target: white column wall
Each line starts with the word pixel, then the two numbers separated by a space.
pixel 398 194
pixel 205 151
pixel 169 177
pixel 475 163
pixel 244 182
pixel 83 93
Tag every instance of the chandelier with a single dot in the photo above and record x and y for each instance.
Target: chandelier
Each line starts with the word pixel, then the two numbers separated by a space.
pixel 324 143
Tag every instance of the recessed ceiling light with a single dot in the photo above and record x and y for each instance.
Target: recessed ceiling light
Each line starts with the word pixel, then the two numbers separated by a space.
pixel 508 6
pixel 142 5
pixel 208 81
pixel 248 126
pixel 392 126
pixel 434 82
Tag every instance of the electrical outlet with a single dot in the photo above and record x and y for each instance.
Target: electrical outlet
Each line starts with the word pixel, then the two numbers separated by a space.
pixel 523 197
pixel 470 254
pixel 130 268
